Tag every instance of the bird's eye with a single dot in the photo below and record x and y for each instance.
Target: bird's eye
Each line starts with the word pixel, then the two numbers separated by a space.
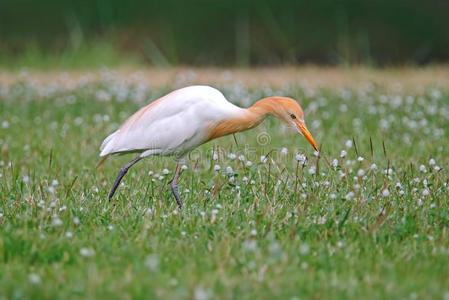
pixel 293 116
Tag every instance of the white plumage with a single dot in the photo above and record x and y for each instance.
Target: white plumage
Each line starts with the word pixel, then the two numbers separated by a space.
pixel 173 124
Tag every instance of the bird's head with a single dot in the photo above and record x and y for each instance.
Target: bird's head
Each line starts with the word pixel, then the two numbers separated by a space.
pixel 290 112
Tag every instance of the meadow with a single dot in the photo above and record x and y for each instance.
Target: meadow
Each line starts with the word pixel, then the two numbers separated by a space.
pixel 264 217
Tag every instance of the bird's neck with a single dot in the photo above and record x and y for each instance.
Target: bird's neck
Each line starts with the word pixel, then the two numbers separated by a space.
pixel 247 119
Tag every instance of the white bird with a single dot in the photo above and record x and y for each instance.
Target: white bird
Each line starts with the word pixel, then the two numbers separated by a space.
pixel 186 118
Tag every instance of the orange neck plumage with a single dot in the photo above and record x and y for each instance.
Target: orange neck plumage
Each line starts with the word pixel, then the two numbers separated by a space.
pixel 253 116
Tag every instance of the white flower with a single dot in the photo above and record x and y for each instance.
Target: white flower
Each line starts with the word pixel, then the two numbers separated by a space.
pixel 312 170
pixel 432 162
pixel 26 178
pixel 200 294
pixel 343 154
pixel 426 192
pixel 284 151
pixel 152 262
pixel 333 196
pixel 422 169
pixel 385 192
pixel 388 171
pixel 348 143
pixel 301 158
pixel 54 183
pixel 253 232
pixel 69 234
pixel 87 252
pixel 248 163
pixel 76 221
pixel 360 173
pixel 229 170
pixel 245 179
pixel 334 163
pixel 360 159
pixel 349 195
pixel 217 168
pixel 321 220
pixel 373 167
pixel 263 159
pixel 33 278
pixel 250 245
pixel 56 221
pixel 304 249
pixel 215 156
pixel 241 157
pixel 165 171
pixel 184 167
pixel 316 153
pixel 5 124
pixel 232 156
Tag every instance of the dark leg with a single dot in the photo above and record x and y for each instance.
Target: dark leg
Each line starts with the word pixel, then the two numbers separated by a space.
pixel 120 175
pixel 174 185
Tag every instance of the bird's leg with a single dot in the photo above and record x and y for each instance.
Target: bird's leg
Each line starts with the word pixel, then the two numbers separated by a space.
pixel 120 175
pixel 174 185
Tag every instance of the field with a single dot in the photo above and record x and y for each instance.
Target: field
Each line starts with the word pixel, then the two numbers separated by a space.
pixel 264 217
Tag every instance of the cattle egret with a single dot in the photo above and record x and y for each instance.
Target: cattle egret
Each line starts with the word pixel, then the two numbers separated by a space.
pixel 186 118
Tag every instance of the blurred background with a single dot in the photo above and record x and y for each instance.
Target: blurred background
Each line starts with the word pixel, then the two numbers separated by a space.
pixel 95 33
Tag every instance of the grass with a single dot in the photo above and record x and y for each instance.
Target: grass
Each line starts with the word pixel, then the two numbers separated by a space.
pixel 89 56
pixel 369 219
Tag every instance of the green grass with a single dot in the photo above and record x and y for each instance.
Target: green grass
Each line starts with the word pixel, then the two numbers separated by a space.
pixel 273 230
pixel 89 55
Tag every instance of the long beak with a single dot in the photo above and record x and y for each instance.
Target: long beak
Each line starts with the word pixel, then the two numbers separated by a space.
pixel 306 133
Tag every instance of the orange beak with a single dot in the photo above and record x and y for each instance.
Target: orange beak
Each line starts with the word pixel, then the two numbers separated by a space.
pixel 306 133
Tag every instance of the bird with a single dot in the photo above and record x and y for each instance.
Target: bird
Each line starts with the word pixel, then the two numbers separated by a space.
pixel 188 117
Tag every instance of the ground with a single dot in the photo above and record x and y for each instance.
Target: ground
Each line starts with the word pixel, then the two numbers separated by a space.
pixel 265 217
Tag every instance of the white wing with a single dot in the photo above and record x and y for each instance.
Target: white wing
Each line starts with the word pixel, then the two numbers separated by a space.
pixel 175 123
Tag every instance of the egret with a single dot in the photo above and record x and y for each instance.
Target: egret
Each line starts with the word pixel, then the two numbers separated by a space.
pixel 187 118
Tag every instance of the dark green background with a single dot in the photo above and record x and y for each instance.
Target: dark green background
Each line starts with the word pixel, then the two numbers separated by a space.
pixel 217 32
